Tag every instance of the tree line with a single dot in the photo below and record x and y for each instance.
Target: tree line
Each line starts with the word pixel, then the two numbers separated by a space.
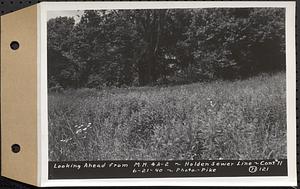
pixel 164 46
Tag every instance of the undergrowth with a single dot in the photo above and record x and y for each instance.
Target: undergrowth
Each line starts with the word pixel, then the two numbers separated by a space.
pixel 217 120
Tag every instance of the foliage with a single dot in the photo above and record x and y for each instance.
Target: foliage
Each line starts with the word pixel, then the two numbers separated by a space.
pixel 190 122
pixel 164 46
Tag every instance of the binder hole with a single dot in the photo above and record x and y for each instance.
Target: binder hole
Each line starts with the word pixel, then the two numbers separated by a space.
pixel 14 45
pixel 15 148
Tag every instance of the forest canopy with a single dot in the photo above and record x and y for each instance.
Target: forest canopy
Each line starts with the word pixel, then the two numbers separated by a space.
pixel 164 46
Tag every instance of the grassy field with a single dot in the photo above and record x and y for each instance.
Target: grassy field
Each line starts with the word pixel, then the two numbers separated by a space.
pixel 217 120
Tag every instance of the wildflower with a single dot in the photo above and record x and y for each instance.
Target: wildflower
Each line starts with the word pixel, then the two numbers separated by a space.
pixel 78 131
pixel 218 131
pixel 212 104
pixel 65 140
pixel 68 139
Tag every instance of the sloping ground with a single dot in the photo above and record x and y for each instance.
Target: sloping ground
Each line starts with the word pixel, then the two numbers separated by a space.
pixel 228 120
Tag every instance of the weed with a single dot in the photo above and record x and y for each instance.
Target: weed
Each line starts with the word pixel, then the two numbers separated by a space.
pixel 218 120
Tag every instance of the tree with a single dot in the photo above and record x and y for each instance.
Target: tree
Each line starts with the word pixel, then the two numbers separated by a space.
pixel 153 46
pixel 58 35
pixel 60 68
pixel 237 43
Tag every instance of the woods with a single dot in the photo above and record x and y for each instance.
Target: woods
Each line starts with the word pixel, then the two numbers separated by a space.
pixel 164 46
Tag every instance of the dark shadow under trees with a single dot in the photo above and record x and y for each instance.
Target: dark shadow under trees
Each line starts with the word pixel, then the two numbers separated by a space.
pixel 164 46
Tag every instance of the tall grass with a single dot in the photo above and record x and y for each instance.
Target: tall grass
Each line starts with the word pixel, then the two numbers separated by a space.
pixel 217 120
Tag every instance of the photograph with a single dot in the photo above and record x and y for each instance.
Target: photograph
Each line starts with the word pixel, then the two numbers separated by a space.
pixel 167 84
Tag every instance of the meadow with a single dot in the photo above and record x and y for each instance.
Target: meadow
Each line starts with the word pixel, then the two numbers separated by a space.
pixel 210 120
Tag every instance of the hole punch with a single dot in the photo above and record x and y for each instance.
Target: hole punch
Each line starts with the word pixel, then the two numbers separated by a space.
pixel 14 45
pixel 15 148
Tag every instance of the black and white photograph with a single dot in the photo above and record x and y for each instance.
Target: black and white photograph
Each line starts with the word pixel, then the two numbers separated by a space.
pixel 167 84
pixel 150 93
pixel 147 93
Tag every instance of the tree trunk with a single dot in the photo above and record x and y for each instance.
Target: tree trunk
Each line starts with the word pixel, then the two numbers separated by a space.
pixel 148 65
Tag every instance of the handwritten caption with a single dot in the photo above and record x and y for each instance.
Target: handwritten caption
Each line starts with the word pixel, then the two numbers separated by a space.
pixel 144 167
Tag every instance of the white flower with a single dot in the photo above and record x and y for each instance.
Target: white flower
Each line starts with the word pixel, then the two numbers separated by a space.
pixel 78 131
pixel 65 140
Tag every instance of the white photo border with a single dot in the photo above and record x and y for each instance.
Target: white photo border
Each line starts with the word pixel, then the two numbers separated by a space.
pixel 290 180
